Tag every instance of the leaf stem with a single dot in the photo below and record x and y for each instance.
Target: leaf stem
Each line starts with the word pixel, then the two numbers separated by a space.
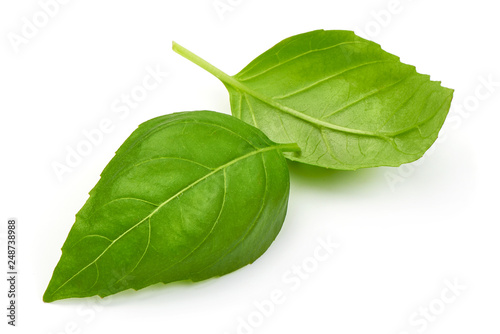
pixel 202 63
pixel 290 147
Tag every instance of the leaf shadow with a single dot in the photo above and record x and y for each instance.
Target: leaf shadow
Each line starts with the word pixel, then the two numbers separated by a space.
pixel 161 291
pixel 324 179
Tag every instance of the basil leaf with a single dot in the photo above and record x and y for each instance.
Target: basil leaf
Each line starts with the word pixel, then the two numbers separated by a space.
pixel 347 103
pixel 189 195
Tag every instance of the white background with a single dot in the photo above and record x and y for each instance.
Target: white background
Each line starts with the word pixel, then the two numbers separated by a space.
pixel 404 234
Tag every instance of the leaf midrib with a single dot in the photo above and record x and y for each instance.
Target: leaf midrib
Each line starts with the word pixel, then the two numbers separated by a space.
pixel 293 112
pixel 222 167
pixel 238 85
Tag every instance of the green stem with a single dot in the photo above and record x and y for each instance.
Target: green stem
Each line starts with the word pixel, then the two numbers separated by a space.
pixel 202 63
pixel 291 147
pixel 225 78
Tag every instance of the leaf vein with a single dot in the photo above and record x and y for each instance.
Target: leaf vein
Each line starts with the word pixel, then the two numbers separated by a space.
pixel 329 150
pixel 206 237
pixel 330 77
pixel 143 254
pixel 366 97
pixel 250 110
pixel 261 150
pixel 401 106
pixel 296 57
pixel 261 209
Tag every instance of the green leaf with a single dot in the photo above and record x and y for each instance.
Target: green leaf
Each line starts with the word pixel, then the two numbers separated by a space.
pixel 188 196
pixel 347 103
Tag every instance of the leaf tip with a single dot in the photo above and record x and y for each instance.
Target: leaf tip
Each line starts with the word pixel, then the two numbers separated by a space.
pixel 48 297
pixel 52 292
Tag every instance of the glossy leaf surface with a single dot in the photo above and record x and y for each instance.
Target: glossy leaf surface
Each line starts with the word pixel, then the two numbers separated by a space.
pixel 188 196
